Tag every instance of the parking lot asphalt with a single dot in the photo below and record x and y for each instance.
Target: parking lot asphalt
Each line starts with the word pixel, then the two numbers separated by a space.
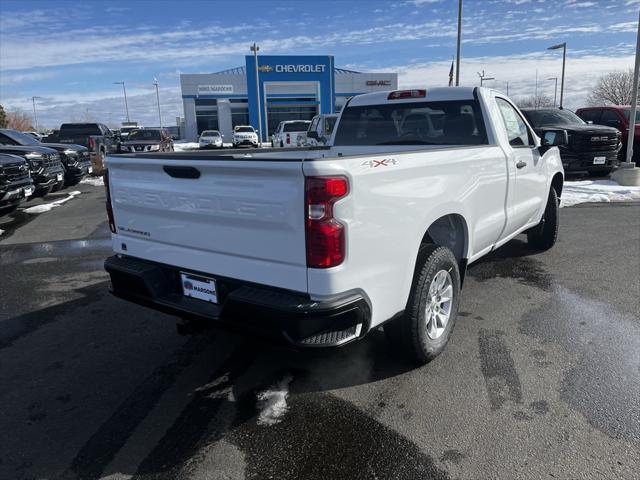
pixel 540 380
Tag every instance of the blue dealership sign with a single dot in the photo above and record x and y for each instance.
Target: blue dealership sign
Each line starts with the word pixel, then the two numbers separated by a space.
pixel 281 69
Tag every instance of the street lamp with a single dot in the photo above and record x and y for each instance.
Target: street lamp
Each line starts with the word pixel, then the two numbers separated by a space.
pixel 458 43
pixel 35 116
pixel 555 90
pixel 155 82
pixel 255 48
pixel 562 46
pixel 484 78
pixel 126 106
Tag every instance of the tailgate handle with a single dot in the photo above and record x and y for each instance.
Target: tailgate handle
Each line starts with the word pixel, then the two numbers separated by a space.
pixel 181 172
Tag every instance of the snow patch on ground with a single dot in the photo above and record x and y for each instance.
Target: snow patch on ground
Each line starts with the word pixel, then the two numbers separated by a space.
pixel 181 146
pixel 272 402
pixel 46 207
pixel 95 181
pixel 596 191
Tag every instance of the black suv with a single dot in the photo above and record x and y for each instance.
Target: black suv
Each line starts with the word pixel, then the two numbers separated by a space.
pixel 75 158
pixel 15 182
pixel 591 148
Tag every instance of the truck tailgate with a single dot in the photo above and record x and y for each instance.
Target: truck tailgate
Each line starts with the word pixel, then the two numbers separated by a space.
pixel 239 219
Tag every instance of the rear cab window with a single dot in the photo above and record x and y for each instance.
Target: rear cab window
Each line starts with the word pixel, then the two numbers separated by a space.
pixel 296 127
pixel 452 122
pixel 70 129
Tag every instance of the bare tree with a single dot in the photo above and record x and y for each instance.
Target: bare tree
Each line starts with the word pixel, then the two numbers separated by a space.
pixel 18 120
pixel 613 88
pixel 533 101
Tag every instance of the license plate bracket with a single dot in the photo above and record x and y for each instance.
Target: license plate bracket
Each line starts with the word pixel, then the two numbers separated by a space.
pixel 199 287
pixel 599 160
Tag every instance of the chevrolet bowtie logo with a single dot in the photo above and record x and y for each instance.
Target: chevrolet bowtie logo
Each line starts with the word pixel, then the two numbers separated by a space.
pixel 265 68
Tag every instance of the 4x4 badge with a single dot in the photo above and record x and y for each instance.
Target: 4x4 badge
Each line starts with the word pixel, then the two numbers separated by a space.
pixel 379 163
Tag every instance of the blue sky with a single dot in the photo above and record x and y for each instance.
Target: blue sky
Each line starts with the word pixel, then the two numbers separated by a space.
pixel 69 53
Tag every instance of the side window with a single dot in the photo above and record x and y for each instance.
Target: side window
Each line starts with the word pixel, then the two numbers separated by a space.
pixel 4 140
pixel 314 124
pixel 517 130
pixel 590 116
pixel 610 119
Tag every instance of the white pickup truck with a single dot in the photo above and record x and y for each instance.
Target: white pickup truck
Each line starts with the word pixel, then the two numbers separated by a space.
pixel 289 133
pixel 319 246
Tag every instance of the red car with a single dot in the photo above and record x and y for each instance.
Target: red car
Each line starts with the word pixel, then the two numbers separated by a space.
pixel 615 116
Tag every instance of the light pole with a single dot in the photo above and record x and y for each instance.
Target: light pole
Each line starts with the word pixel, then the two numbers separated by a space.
pixel 458 43
pixel 255 48
pixel 155 82
pixel 126 105
pixel 507 88
pixel 555 90
pixel 35 116
pixel 484 78
pixel 562 46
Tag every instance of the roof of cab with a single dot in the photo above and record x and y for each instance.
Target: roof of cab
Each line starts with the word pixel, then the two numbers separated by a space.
pixel 433 95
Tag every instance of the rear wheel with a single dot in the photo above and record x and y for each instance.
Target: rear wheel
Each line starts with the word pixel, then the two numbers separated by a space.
pixel 544 235
pixel 423 331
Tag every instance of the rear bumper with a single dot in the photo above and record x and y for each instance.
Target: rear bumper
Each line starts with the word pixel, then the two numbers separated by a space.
pixel 277 314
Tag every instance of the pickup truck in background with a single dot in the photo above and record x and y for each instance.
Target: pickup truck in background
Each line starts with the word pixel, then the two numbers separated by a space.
pixel 75 158
pixel 95 136
pixel 16 185
pixel 45 167
pixel 618 117
pixel 591 148
pixel 320 246
pixel 289 133
pixel 320 130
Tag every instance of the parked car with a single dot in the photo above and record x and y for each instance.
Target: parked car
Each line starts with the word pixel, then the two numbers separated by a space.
pixel 51 137
pixel 147 140
pixel 126 130
pixel 287 133
pixel 210 139
pixel 591 148
pixel 15 182
pixel 392 217
pixel 616 116
pixel 75 158
pixel 45 166
pixel 245 135
pixel 95 136
pixel 35 135
pixel 320 130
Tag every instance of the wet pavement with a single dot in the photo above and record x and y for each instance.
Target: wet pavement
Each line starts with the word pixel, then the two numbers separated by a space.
pixel 541 378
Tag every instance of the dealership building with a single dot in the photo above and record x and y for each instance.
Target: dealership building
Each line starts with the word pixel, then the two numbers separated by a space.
pixel 286 88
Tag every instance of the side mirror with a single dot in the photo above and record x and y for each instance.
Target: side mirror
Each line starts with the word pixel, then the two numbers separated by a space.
pixel 313 134
pixel 553 138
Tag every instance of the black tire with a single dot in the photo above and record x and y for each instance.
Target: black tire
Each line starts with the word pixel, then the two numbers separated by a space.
pixel 544 235
pixel 8 210
pixel 409 333
pixel 600 173
pixel 281 144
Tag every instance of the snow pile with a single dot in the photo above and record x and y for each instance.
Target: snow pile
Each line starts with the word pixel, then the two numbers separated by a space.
pixel 182 145
pixel 45 207
pixel 272 403
pixel 593 191
pixel 94 181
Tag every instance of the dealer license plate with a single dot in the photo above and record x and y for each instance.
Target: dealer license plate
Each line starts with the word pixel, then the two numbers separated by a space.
pixel 59 177
pixel 202 288
pixel 599 160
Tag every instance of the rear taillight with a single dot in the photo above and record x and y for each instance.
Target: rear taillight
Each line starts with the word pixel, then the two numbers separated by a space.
pixel 325 236
pixel 92 143
pixel 398 94
pixel 112 222
pixel 288 138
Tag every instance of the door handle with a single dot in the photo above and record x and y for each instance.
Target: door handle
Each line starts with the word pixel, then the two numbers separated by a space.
pixel 521 164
